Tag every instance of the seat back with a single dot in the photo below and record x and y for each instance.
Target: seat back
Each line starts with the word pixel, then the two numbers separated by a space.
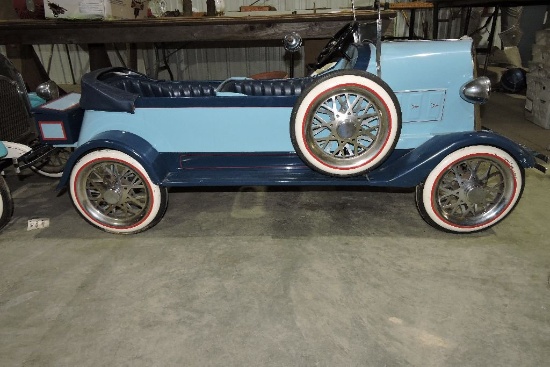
pixel 267 87
pixel 147 88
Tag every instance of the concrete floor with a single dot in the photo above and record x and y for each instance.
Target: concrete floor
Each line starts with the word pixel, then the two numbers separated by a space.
pixel 265 277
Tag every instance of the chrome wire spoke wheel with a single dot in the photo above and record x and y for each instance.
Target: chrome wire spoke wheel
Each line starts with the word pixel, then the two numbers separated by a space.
pixel 345 123
pixel 117 195
pixel 345 127
pixel 471 189
pixel 113 192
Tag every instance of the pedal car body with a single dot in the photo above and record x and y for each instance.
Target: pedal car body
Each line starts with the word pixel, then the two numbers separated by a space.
pixel 405 118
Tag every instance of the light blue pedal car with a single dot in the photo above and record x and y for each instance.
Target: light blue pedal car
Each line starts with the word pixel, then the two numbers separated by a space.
pixel 390 114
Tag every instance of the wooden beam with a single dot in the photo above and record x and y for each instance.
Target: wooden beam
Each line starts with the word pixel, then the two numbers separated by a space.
pixel 27 62
pixel 23 57
pixel 179 29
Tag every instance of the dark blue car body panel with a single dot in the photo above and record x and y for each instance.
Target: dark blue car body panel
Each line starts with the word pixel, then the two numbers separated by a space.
pixel 404 168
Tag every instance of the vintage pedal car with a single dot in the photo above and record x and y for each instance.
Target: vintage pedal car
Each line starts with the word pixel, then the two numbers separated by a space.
pixel 402 117
pixel 17 127
pixel 6 201
pixel 19 144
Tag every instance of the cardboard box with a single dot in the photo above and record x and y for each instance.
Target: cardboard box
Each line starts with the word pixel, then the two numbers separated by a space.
pixel 537 103
pixel 541 54
pixel 542 37
pixel 96 9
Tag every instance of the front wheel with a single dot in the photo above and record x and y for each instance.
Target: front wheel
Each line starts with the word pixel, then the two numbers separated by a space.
pixel 6 203
pixel 470 190
pixel 112 191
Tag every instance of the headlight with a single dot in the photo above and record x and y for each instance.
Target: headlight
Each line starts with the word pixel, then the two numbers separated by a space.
pixel 48 90
pixel 477 90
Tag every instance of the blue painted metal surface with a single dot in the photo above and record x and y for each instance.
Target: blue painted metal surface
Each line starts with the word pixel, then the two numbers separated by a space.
pixel 3 150
pixel 403 169
pixel 260 123
pixel 199 129
pixel 426 77
pixel 125 142
pixel 237 139
pixel 35 100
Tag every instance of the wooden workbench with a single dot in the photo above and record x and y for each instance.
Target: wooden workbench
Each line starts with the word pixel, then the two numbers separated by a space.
pixel 241 30
pixel 178 29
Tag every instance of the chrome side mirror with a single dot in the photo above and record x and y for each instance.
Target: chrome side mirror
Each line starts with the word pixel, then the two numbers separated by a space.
pixel 48 90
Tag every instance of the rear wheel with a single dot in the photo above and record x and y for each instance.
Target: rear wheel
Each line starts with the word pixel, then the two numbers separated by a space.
pixel 6 203
pixel 471 189
pixel 113 192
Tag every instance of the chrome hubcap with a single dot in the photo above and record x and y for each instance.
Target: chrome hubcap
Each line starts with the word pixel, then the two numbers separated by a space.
pixel 111 196
pixel 347 128
pixel 476 195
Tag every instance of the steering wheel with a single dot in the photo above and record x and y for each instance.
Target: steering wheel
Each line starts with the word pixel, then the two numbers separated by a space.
pixel 337 44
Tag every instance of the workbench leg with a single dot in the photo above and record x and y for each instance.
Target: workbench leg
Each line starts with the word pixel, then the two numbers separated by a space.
pixel 467 21
pixel 412 20
pixel 131 59
pixel 25 59
pixel 491 38
pixel 435 22
pixel 98 56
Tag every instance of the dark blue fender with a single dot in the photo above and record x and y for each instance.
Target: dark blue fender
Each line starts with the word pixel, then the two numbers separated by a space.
pixel 414 167
pixel 133 145
pixel 402 169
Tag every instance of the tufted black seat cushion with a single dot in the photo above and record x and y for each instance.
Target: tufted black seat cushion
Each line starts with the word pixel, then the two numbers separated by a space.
pixel 118 89
pixel 149 88
pixel 267 87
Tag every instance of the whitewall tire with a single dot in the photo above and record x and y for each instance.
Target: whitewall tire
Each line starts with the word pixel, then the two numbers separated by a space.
pixel 6 203
pixel 113 192
pixel 345 123
pixel 471 189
